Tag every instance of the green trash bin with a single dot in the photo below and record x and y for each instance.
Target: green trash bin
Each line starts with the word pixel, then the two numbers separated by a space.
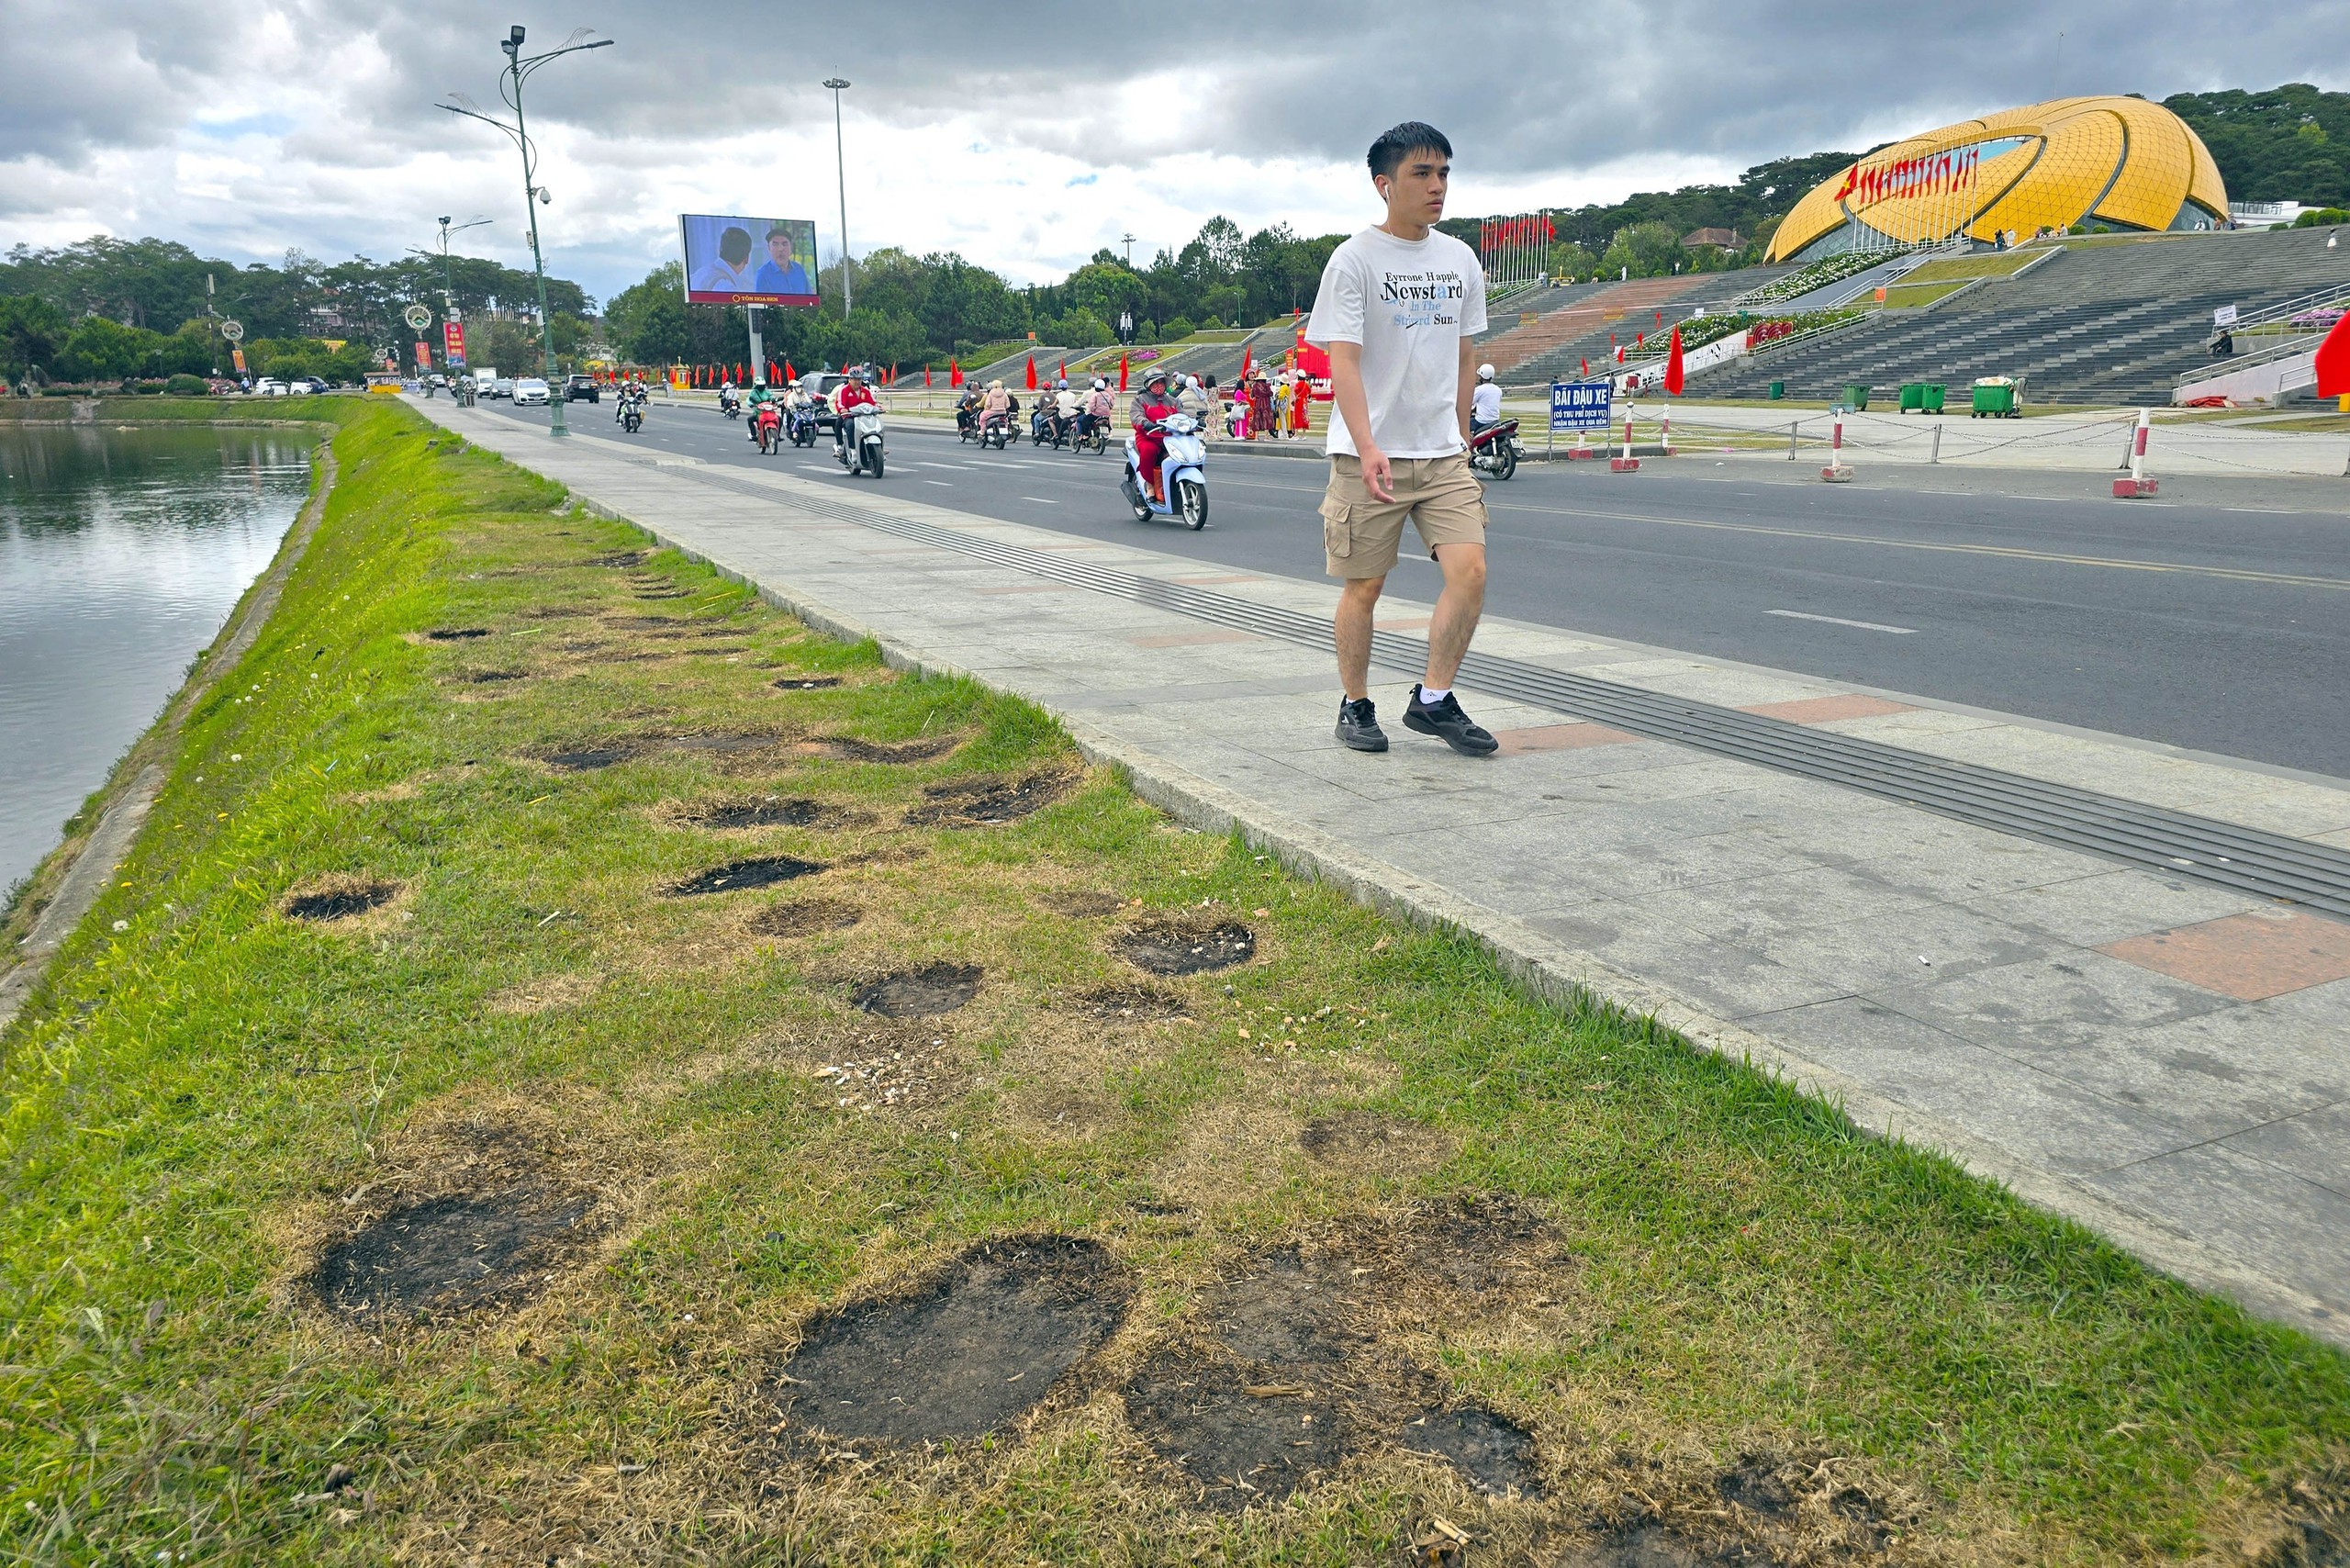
pixel 1936 394
pixel 1778 391
pixel 1995 399
pixel 1913 397
pixel 1856 397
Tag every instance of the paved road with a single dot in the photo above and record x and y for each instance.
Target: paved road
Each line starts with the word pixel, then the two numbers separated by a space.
pixel 2220 629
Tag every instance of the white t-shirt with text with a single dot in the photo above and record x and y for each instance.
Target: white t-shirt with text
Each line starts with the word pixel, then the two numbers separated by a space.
pixel 1409 303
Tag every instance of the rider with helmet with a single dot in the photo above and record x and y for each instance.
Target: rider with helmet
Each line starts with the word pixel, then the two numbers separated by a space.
pixel 1099 406
pixel 1485 402
pixel 1150 405
pixel 854 393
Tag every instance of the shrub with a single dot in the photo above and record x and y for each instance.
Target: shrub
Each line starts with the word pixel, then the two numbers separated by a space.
pixel 1180 326
pixel 185 385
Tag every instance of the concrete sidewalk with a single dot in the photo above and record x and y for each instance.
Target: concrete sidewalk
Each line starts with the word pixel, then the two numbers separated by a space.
pixel 2161 1058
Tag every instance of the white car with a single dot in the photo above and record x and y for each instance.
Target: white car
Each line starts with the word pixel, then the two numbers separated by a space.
pixel 530 389
pixel 269 387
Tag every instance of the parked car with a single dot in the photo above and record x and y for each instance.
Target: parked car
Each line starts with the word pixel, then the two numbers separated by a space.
pixel 269 387
pixel 304 385
pixel 529 392
pixel 502 387
pixel 578 388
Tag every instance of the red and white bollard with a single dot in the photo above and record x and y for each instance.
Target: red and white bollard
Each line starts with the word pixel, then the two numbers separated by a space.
pixel 1627 464
pixel 1582 446
pixel 1838 471
pixel 2137 484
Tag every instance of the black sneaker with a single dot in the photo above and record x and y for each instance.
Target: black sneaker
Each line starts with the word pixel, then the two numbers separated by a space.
pixel 1448 724
pixel 1359 725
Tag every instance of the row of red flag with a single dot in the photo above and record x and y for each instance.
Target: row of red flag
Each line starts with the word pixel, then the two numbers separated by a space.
pixel 1909 176
pixel 1537 229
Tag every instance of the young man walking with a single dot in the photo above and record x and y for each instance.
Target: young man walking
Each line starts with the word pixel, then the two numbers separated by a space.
pixel 1397 308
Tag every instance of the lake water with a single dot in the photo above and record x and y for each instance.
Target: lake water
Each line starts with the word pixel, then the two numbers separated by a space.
pixel 121 553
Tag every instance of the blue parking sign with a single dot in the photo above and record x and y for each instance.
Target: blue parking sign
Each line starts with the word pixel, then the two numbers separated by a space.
pixel 1580 405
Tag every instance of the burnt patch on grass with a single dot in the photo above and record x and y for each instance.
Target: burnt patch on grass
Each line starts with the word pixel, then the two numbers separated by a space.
pixel 966 1353
pixel 772 810
pixel 586 758
pixel 987 800
pixel 1174 946
pixel 455 634
pixel 737 876
pixel 807 683
pixel 1239 1438
pixel 622 558
pixel 1495 1454
pixel 1754 1484
pixel 807 917
pixel 338 898
pixel 1367 1143
pixel 1080 903
pixel 491 677
pixel 849 748
pixel 727 743
pixel 1132 1004
pixel 451 1254
pixel 919 993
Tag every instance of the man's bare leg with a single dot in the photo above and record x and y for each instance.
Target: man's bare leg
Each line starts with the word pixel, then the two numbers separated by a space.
pixel 1357 598
pixel 1458 610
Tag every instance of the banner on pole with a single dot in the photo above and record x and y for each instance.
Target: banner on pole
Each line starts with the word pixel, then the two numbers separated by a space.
pixel 1580 405
pixel 452 339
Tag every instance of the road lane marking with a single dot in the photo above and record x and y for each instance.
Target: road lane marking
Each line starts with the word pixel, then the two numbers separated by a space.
pixel 940 483
pixel 1040 500
pixel 1840 620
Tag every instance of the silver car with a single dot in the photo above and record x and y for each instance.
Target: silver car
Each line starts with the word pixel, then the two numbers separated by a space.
pixel 529 390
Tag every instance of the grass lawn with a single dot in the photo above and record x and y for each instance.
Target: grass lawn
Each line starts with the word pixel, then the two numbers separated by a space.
pixel 578 1067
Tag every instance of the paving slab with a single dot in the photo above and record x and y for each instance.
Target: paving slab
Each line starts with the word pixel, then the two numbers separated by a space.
pixel 2048 1017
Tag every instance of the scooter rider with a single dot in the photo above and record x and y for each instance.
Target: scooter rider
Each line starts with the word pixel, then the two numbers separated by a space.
pixel 1099 408
pixel 1485 402
pixel 853 395
pixel 967 408
pixel 1066 406
pixel 1152 404
pixel 632 396
pixel 996 404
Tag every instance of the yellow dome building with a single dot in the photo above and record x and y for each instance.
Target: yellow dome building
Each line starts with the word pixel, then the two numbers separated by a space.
pixel 2121 162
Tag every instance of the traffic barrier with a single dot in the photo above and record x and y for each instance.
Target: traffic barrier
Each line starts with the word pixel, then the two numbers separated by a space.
pixel 2137 483
pixel 1627 464
pixel 1838 471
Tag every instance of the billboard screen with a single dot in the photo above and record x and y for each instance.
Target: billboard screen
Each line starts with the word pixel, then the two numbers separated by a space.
pixel 749 261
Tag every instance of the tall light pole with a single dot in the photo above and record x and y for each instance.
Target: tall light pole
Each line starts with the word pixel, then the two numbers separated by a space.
pixel 519 67
pixel 448 287
pixel 840 166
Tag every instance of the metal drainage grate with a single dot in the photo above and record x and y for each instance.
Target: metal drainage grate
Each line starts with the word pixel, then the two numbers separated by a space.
pixel 2246 859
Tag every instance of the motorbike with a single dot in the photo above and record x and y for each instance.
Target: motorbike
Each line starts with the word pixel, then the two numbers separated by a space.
pixel 631 417
pixel 1092 434
pixel 1495 449
pixel 767 431
pixel 730 405
pixel 801 424
pixel 995 430
pixel 860 449
pixel 966 424
pixel 1183 474
pixel 1054 431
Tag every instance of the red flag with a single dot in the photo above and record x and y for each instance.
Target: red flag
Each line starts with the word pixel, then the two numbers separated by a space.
pixel 1586 368
pixel 1852 181
pixel 1062 374
pixel 1640 340
pixel 1673 368
pixel 1660 317
pixel 1032 372
pixel 953 370
pixel 1122 373
pixel 1247 359
pixel 925 377
pixel 2333 361
pixel 790 374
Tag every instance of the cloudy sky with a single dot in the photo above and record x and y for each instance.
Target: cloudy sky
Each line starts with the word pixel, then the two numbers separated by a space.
pixel 1023 135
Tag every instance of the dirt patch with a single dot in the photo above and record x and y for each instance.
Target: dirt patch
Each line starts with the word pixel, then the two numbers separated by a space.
pixel 490 677
pixel 1370 1144
pixel 622 558
pixel 1495 1455
pixel 1132 1003
pixel 338 898
pixel 987 800
pixel 808 683
pixel 586 758
pixel 726 742
pixel 759 871
pixel 886 1069
pixel 450 1254
pixel 1078 904
pixel 805 918
pixel 849 748
pixel 1754 1482
pixel 1239 1438
pixel 919 993
pixel 1185 948
pixel 773 811
pixel 455 634
pixel 966 1353
pixel 541 992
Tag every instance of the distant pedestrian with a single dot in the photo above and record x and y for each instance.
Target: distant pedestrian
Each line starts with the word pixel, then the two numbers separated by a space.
pixel 1281 407
pixel 1260 408
pixel 1397 309
pixel 1301 406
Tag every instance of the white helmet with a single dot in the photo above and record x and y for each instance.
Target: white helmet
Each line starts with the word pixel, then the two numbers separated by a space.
pixel 1484 373
pixel 1099 385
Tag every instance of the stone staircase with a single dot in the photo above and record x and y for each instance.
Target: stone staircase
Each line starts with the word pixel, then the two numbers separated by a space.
pixel 2104 323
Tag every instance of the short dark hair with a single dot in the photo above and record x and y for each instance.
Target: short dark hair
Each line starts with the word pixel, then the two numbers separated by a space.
pixel 1388 152
pixel 735 245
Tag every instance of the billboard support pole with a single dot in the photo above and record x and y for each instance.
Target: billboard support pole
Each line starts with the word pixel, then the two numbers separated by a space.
pixel 840 166
pixel 758 352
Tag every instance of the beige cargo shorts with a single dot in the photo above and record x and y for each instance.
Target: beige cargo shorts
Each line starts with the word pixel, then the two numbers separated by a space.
pixel 1360 532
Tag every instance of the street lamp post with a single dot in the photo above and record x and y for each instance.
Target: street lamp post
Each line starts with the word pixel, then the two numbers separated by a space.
pixel 448 285
pixel 519 67
pixel 840 167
